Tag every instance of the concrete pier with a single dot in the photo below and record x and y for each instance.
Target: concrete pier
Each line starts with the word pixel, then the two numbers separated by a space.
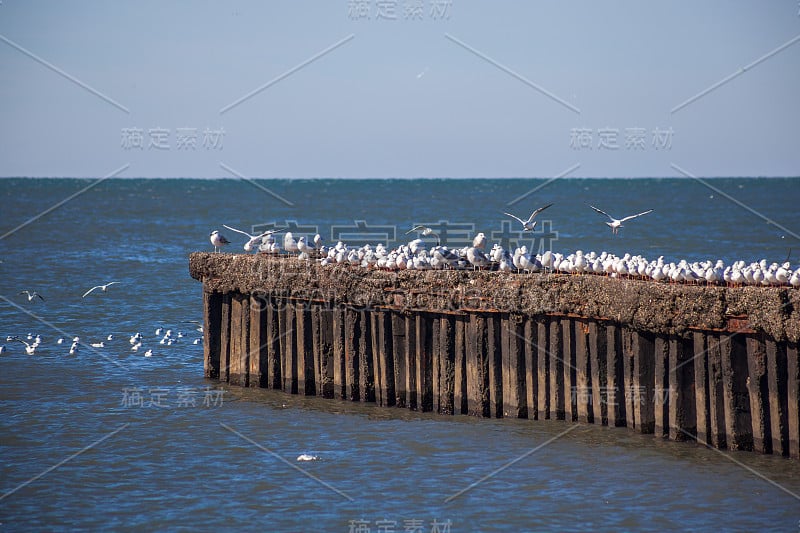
pixel 680 362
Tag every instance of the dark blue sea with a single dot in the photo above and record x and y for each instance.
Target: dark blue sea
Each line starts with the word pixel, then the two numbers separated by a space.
pixel 107 439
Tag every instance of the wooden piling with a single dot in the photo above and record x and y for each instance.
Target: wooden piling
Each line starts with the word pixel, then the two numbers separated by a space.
pixel 410 343
pixel 212 327
pixel 384 362
pixel 325 360
pixel 424 362
pixel 240 341
pixel 225 338
pixel 738 426
pixel 447 363
pixel 597 343
pixel 701 385
pixel 615 377
pixel 570 371
pixel 366 372
pixel 340 354
pixel 583 373
pixel 756 383
pixel 287 325
pixel 644 381
pixel 530 369
pixel 716 403
pixel 513 370
pixel 257 353
pixel 629 391
pixel 778 396
pixel 556 370
pixel 495 360
pixel 460 397
pixel 543 369
pixel 681 390
pixel 273 348
pixel 661 388
pixel 477 367
pixel 793 399
pixel 305 354
pixel 352 338
pixel 399 354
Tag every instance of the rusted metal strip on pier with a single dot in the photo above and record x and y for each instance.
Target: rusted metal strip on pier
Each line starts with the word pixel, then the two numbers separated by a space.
pixel 733 387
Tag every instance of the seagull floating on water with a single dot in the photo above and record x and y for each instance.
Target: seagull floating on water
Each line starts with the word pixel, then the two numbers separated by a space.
pixel 218 240
pixel 528 225
pixel 30 349
pixel 103 288
pixel 307 457
pixel 615 223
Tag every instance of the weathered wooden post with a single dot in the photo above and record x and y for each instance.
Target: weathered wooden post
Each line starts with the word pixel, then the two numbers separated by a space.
pixel 212 326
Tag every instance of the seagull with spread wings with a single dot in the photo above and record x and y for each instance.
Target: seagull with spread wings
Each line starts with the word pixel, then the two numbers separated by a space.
pixel 103 288
pixel 253 239
pixel 528 225
pixel 425 231
pixel 615 223
pixel 32 295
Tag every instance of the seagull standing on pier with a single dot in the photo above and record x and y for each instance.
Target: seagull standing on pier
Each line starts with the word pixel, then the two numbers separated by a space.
pixel 528 225
pixel 32 295
pixel 104 288
pixel 289 242
pixel 218 240
pixel 615 223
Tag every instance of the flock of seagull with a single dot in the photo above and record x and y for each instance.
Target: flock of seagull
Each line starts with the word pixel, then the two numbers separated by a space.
pixel 33 341
pixel 167 338
pixel 416 255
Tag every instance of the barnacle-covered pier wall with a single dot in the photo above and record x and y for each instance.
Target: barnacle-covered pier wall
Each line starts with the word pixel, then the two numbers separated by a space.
pixel 684 362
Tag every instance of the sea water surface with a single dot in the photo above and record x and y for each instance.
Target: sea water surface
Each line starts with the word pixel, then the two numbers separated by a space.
pixel 109 439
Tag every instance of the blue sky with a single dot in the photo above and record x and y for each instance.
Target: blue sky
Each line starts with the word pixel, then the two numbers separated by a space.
pixel 458 89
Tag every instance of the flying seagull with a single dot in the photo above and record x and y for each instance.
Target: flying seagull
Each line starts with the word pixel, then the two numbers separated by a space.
pixel 32 295
pixel 615 224
pixel 425 230
pixel 218 240
pixel 104 288
pixel 253 239
pixel 528 225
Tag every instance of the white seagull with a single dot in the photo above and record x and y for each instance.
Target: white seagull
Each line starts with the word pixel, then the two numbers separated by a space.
pixel 218 240
pixel 425 230
pixel 615 224
pixel 253 239
pixel 30 349
pixel 289 242
pixel 32 295
pixel 479 241
pixel 528 225
pixel 104 288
